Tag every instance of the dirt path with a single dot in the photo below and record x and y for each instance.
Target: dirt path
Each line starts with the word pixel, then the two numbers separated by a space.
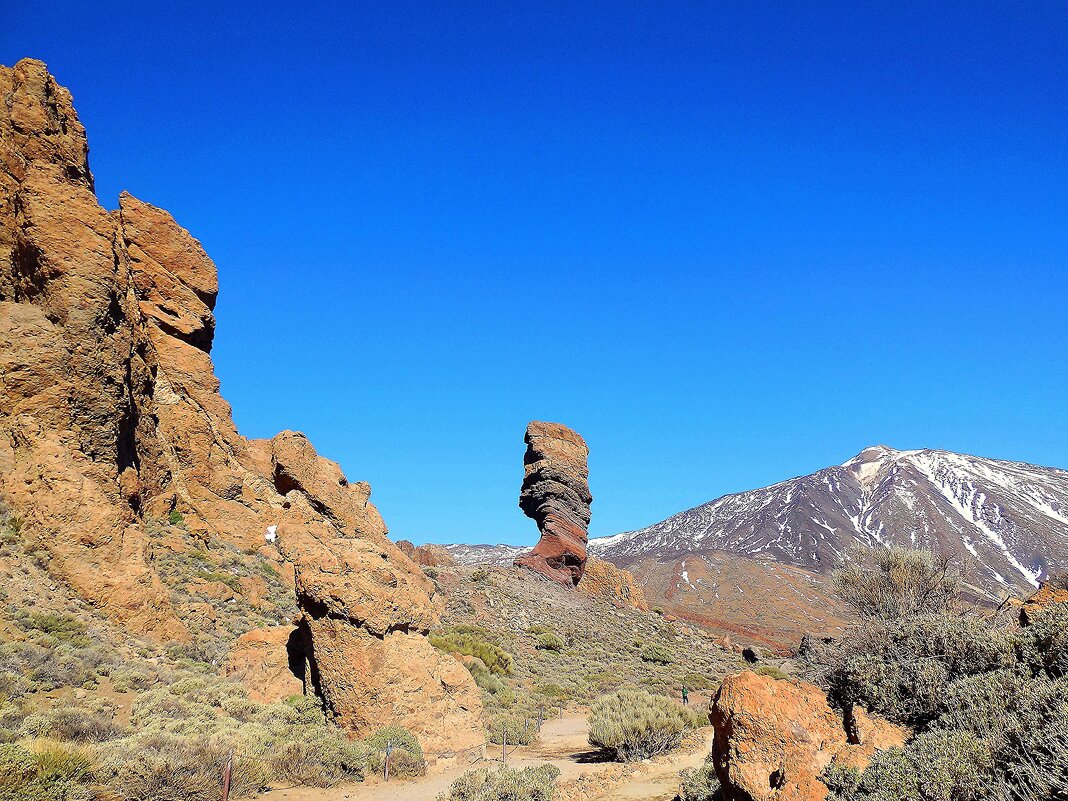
pixel 563 742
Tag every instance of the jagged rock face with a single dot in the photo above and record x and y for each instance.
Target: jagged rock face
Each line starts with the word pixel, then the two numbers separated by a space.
pixel 557 496
pixel 773 737
pixel 110 417
pixel 428 555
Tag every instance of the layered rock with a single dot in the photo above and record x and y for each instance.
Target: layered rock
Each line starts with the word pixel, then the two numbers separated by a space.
pixel 773 738
pixel 556 495
pixel 111 419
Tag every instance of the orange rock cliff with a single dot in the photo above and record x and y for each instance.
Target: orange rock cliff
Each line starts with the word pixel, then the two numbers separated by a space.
pixel 111 417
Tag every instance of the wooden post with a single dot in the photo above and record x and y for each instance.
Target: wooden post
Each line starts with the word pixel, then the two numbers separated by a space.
pixel 227 773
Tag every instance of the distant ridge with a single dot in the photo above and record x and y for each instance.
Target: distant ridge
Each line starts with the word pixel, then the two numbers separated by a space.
pixel 1008 521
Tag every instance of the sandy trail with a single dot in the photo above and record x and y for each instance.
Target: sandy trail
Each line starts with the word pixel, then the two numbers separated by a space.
pixel 563 743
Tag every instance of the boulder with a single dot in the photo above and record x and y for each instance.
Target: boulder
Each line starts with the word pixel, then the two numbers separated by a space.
pixel 268 662
pixel 111 418
pixel 556 495
pixel 773 737
pixel 604 580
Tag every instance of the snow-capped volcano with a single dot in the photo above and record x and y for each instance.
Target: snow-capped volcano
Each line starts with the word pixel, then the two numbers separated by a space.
pixel 1008 521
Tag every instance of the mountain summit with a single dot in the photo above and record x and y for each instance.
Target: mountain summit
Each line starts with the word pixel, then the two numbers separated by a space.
pixel 1008 521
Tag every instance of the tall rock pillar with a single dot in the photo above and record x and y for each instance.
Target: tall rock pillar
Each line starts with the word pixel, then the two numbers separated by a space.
pixel 556 495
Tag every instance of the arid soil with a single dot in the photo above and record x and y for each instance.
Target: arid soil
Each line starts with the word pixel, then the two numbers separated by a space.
pixel 563 743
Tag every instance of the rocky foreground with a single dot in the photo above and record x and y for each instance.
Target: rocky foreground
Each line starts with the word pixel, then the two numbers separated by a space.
pixel 111 422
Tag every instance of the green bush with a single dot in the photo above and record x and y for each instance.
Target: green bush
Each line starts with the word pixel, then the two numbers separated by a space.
pixel 520 730
pixel 406 759
pixel 492 684
pixel 550 642
pixel 660 654
pixel 495 658
pixel 175 518
pixel 901 668
pixel 699 784
pixel 535 783
pixel 774 671
pixel 62 627
pixel 936 766
pixel 54 773
pixel 1043 644
pixel 635 724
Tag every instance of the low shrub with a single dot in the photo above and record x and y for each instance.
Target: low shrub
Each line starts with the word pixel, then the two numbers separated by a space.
pixel 495 658
pixel 936 766
pixel 72 724
pixel 1043 644
pixel 492 684
pixel 635 724
pixel 167 767
pixel 318 757
pixel 536 783
pixel 773 671
pixel 699 784
pixel 520 730
pixel 659 654
pixel 406 757
pixel 51 773
pixel 550 642
pixel 901 668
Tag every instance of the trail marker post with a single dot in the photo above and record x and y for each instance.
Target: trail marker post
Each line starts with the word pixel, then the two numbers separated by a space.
pixel 227 774
pixel 385 762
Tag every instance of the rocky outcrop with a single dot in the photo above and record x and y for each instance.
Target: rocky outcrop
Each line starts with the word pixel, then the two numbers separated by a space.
pixel 773 738
pixel 268 662
pixel 1040 600
pixel 111 419
pixel 556 494
pixel 614 584
pixel 428 555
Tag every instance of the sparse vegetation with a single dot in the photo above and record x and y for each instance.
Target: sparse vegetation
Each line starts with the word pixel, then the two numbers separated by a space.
pixel 989 705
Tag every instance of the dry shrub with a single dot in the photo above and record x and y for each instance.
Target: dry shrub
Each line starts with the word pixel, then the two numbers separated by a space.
pixel 535 783
pixel 903 582
pixel 635 724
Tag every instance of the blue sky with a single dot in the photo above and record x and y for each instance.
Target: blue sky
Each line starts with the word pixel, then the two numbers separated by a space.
pixel 727 245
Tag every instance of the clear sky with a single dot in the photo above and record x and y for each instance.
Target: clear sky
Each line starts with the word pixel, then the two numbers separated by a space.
pixel 727 245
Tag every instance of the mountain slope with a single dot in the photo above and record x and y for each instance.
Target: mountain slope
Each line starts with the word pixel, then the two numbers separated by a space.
pixel 1008 521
